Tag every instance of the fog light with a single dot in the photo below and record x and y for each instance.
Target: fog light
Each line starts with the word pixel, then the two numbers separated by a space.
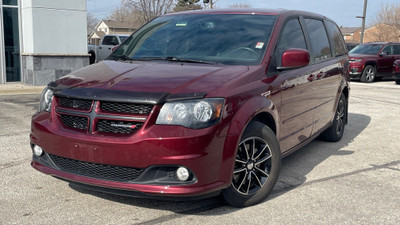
pixel 37 150
pixel 182 173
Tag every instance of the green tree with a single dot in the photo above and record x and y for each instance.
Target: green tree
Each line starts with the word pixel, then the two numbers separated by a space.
pixel 185 5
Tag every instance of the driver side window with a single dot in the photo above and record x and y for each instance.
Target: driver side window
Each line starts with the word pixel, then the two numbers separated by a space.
pixel 291 37
pixel 388 50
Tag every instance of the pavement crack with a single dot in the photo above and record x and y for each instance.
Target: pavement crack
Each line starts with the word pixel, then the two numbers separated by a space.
pixel 184 213
pixel 12 164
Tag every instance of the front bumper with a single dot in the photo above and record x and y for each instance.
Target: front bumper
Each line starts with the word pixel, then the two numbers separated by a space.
pixel 355 72
pixel 156 146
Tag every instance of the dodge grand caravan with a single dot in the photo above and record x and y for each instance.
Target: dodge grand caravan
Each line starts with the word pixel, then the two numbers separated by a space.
pixel 196 104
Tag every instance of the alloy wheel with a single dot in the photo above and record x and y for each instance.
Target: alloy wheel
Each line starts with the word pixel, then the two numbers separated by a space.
pixel 252 165
pixel 340 113
pixel 370 74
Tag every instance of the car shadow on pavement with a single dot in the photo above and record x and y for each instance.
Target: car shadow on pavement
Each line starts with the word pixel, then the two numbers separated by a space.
pixel 294 170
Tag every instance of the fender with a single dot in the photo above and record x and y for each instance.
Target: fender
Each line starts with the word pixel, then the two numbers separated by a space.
pixel 242 117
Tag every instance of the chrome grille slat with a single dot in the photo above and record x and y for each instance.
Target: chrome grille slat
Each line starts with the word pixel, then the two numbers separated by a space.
pixel 99 117
pixel 74 103
pixel 76 122
pixel 129 108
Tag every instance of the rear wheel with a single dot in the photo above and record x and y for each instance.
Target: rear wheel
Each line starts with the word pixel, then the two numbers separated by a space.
pixel 335 131
pixel 256 168
pixel 368 74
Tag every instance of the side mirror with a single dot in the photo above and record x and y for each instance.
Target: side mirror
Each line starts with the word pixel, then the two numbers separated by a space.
pixel 294 58
pixel 383 53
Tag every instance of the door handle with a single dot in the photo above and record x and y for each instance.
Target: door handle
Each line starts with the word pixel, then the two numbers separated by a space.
pixel 100 47
pixel 311 78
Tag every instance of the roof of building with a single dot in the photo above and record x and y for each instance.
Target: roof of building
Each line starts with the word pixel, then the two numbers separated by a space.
pixel 100 34
pixel 121 24
pixel 349 30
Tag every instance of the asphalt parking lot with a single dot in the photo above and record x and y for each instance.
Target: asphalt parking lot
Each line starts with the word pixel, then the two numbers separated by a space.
pixel 354 181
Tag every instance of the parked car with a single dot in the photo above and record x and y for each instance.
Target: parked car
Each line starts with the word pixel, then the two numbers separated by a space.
pixel 104 49
pixel 350 46
pixel 373 60
pixel 396 71
pixel 195 104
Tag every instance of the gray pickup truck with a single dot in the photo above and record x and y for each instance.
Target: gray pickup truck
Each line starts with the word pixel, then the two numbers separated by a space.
pixel 104 49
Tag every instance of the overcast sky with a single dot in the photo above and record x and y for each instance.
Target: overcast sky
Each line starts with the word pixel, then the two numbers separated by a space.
pixel 344 12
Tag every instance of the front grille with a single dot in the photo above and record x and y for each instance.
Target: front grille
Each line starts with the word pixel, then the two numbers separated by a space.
pixel 74 103
pixel 130 108
pixel 118 127
pixel 76 122
pixel 100 171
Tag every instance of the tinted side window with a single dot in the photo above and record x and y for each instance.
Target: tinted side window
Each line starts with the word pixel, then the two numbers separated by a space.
pixel 110 40
pixel 339 46
pixel 396 49
pixel 388 50
pixel 319 39
pixel 292 37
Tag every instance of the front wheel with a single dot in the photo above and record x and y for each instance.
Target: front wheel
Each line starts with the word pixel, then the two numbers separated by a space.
pixel 368 74
pixel 256 169
pixel 397 81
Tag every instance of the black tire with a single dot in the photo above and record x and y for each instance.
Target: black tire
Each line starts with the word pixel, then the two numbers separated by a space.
pixel 92 57
pixel 397 81
pixel 335 132
pixel 255 172
pixel 368 74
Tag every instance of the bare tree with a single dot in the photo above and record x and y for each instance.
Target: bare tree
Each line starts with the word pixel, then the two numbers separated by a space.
pixel 150 9
pixel 387 24
pixel 185 5
pixel 240 5
pixel 125 12
pixel 389 14
pixel 91 22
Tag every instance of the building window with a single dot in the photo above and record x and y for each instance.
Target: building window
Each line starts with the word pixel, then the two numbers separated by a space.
pixel 10 2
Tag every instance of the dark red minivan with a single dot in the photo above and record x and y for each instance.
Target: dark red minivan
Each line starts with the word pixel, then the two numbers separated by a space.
pixel 195 104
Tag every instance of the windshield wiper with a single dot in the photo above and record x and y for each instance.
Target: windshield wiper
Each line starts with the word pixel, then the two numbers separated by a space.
pixel 176 59
pixel 122 57
pixel 172 59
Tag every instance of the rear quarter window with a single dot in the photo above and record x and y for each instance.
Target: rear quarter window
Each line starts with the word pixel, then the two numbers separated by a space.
pixel 319 39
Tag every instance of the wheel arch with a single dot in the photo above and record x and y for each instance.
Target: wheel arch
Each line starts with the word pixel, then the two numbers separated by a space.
pixel 259 109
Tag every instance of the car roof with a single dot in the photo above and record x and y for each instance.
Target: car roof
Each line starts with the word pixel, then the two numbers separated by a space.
pixel 380 43
pixel 252 11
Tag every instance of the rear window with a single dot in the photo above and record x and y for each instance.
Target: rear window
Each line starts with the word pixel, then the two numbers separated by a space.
pixel 319 39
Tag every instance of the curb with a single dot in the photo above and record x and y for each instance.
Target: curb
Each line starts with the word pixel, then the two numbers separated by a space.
pixel 19 89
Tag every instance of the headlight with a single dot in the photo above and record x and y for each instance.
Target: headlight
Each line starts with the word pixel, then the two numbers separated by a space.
pixel 357 60
pixel 45 100
pixel 195 114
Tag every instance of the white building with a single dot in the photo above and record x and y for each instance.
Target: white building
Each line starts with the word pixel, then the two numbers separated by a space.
pixel 41 40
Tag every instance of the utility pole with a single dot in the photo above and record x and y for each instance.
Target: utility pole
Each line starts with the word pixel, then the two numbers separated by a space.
pixel 363 21
pixel 209 2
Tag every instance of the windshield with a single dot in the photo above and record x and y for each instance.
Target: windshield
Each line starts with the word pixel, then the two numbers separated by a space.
pixel 366 49
pixel 233 39
pixel 122 38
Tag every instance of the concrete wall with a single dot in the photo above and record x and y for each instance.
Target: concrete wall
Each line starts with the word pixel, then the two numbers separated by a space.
pixel 53 33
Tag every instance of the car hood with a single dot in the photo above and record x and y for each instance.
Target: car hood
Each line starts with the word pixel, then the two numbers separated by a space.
pixel 361 56
pixel 145 81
